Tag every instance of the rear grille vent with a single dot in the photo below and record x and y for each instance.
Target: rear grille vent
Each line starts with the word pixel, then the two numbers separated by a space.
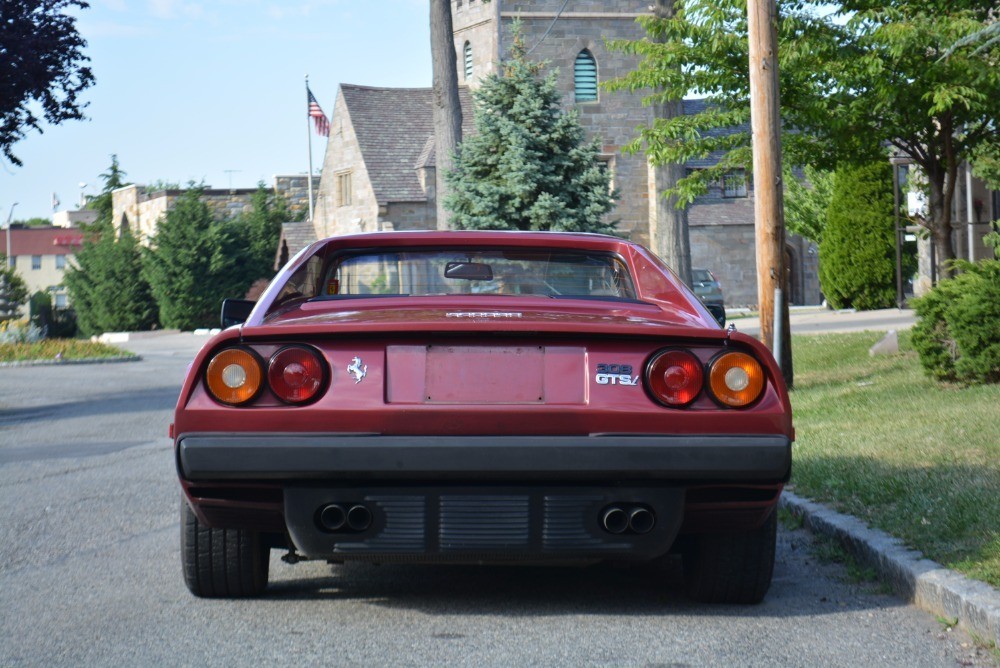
pixel 484 522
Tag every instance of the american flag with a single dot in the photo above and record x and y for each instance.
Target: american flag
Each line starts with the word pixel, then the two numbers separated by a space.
pixel 319 118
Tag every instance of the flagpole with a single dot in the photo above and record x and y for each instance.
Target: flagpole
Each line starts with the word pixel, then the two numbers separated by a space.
pixel 309 133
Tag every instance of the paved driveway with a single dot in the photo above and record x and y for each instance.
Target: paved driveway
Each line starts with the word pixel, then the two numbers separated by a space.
pixel 90 571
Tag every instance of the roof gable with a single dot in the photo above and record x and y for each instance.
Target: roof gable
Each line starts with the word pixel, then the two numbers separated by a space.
pixel 392 126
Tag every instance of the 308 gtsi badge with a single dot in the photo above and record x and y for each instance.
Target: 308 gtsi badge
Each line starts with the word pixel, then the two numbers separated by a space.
pixel 480 397
pixel 615 374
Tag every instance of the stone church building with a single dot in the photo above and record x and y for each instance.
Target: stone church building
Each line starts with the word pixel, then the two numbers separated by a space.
pixel 379 168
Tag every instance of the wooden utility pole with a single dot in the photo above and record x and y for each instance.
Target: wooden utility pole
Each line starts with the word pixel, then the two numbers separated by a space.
pixel 765 121
pixel 447 105
pixel 669 224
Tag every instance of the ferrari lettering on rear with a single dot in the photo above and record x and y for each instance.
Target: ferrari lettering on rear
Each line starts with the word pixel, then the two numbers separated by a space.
pixel 615 374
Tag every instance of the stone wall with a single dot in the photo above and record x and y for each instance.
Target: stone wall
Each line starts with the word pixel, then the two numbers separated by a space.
pixel 143 210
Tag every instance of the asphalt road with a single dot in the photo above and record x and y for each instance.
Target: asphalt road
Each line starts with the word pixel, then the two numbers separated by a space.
pixel 90 571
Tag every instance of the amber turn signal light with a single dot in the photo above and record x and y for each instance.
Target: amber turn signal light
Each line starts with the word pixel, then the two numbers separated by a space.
pixel 234 376
pixel 736 379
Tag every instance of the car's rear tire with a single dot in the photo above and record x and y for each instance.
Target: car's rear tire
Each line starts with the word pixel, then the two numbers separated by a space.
pixel 221 563
pixel 733 567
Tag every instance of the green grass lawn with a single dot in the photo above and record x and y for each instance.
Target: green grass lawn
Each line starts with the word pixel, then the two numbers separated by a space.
pixel 64 349
pixel 879 440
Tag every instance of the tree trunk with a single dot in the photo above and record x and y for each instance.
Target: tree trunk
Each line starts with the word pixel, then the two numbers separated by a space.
pixel 939 220
pixel 668 228
pixel 447 105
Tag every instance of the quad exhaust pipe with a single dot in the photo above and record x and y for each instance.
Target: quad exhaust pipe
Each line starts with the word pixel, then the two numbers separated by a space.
pixel 335 517
pixel 636 519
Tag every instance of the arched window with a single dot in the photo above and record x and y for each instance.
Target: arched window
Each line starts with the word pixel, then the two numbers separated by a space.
pixel 467 53
pixel 585 77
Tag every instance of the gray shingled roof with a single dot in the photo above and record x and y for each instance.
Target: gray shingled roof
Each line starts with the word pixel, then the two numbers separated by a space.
pixel 295 236
pixel 392 126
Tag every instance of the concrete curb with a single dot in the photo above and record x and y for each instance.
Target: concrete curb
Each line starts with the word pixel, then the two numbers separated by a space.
pixel 923 582
pixel 92 360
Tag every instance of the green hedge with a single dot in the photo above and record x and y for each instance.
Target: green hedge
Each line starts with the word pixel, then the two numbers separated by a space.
pixel 958 333
pixel 857 257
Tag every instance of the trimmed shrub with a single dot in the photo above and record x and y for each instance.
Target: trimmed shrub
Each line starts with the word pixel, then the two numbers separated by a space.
pixel 857 266
pixel 958 333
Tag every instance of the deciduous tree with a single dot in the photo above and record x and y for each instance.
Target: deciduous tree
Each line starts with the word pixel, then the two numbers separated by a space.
pixel 42 66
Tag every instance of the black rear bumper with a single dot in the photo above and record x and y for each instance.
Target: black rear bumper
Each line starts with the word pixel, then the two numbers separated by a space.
pixel 730 458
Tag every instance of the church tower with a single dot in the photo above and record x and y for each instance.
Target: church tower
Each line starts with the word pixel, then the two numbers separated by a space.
pixel 569 36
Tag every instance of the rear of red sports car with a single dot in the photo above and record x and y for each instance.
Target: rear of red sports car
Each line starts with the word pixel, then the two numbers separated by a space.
pixel 481 397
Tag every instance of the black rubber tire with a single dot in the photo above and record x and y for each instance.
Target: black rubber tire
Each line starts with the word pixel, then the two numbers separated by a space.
pixel 733 567
pixel 221 563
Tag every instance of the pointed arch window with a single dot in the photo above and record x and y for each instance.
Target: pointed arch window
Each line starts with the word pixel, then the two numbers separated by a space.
pixel 585 77
pixel 467 54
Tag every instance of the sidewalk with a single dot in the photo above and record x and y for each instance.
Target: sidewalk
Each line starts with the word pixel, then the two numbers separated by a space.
pixel 819 320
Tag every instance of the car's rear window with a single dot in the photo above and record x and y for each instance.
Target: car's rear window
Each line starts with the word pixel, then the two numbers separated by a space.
pixel 472 271
pixel 700 276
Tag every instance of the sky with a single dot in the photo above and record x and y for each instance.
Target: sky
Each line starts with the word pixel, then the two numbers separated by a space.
pixel 212 91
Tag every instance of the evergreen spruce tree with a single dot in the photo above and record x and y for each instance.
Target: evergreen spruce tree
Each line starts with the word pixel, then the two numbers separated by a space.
pixel 245 246
pixel 13 291
pixel 527 167
pixel 179 265
pixel 194 262
pixel 857 265
pixel 105 282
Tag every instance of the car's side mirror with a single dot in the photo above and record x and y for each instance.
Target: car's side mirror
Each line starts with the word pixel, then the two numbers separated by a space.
pixel 236 311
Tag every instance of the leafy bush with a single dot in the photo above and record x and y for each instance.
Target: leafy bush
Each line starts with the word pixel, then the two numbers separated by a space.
pixel 56 323
pixel 958 334
pixel 20 331
pixel 858 252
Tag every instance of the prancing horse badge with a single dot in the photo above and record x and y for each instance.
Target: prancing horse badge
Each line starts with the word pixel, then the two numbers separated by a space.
pixel 358 370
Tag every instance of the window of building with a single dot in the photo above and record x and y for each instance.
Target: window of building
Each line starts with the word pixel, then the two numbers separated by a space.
pixel 344 190
pixel 467 53
pixel 606 161
pixel 585 77
pixel 36 261
pixel 734 183
pixel 60 261
pixel 61 301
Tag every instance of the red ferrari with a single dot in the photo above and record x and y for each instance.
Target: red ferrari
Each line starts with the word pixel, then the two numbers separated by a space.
pixel 480 397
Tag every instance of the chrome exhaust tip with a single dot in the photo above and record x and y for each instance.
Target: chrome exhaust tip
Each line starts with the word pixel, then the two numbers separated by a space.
pixel 641 520
pixel 332 517
pixel 614 520
pixel 359 518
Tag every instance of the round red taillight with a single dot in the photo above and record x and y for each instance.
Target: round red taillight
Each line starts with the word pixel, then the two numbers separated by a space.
pixel 674 377
pixel 295 374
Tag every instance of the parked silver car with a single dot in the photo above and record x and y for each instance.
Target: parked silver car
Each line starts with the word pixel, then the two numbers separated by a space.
pixel 707 287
